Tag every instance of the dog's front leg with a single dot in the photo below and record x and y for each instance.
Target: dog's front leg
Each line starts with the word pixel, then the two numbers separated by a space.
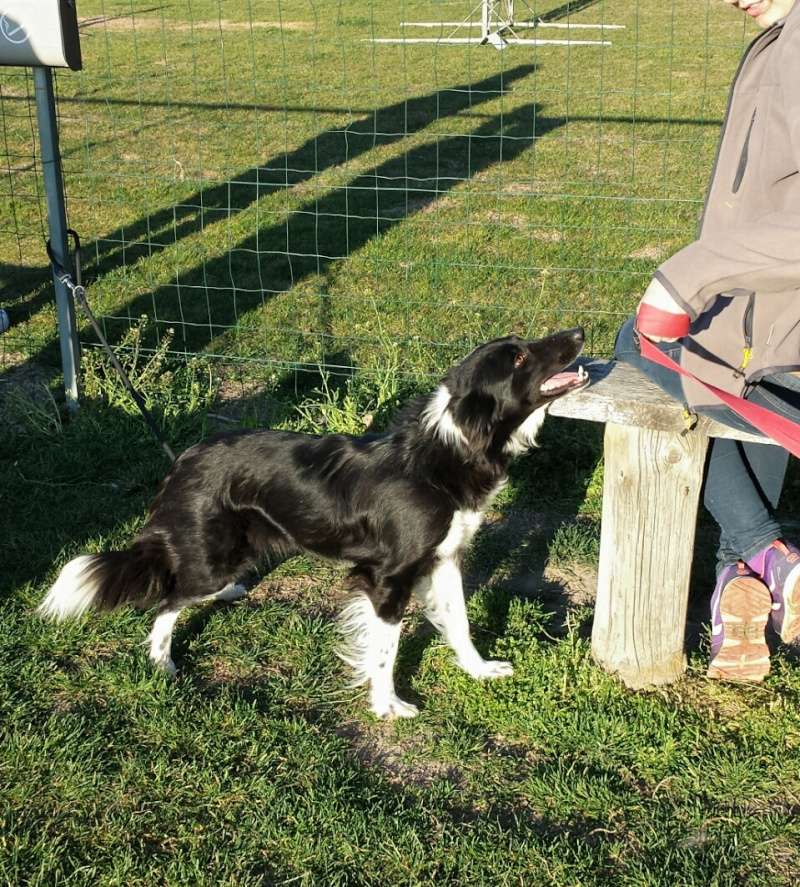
pixel 369 647
pixel 442 595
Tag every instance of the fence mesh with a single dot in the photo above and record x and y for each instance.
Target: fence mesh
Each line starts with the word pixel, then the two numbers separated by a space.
pixel 265 180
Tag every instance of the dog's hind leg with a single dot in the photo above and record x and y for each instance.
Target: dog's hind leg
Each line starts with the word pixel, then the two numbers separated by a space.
pixel 369 646
pixel 442 595
pixel 160 639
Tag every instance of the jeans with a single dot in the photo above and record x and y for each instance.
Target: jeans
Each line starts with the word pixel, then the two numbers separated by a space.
pixel 744 480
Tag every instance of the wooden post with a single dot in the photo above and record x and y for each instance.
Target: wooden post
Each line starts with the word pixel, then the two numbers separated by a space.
pixel 651 489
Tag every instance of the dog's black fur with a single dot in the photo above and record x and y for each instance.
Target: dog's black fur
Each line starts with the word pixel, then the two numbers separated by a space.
pixel 384 502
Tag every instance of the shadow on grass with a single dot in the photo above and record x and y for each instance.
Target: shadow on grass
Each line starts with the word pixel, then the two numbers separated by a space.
pixel 62 489
pixel 211 300
pixel 566 10
pixel 324 151
pixel 24 290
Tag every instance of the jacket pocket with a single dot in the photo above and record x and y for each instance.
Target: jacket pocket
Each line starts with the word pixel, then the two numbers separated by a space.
pixel 737 179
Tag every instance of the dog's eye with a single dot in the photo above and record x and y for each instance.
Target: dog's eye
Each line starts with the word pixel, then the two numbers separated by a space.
pixel 519 359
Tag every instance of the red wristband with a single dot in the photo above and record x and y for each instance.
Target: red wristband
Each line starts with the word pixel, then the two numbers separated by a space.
pixel 652 321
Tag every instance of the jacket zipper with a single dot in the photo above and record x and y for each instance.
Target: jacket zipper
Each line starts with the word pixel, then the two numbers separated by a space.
pixel 737 181
pixel 747 351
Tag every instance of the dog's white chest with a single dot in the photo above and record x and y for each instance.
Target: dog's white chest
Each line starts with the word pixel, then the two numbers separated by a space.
pixel 463 527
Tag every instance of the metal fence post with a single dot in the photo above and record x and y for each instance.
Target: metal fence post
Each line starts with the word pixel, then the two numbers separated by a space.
pixel 57 222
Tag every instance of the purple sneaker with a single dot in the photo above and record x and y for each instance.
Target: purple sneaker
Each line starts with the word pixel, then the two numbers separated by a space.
pixel 781 572
pixel 740 608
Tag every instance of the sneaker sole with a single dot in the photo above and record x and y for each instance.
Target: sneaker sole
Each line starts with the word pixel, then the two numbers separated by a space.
pixel 744 656
pixel 790 630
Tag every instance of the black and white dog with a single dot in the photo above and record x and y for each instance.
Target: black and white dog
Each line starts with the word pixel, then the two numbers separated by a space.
pixel 401 507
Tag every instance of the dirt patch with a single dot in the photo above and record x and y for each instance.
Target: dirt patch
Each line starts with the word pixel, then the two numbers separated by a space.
pixel 402 762
pixel 222 672
pixel 152 23
pixel 782 863
pixel 25 396
pixel 99 652
pixel 547 235
pixel 517 189
pixel 578 583
pixel 64 701
pixel 236 389
pixel 236 399
pixel 561 590
pixel 523 756
pixel 510 220
pixel 520 222
pixel 653 252
pixel 309 594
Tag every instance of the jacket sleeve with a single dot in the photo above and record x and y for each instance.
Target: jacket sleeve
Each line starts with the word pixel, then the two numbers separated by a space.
pixel 764 255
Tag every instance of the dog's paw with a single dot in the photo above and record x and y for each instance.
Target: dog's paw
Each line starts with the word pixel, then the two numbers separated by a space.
pixel 167 666
pixel 487 669
pixel 393 707
pixel 231 592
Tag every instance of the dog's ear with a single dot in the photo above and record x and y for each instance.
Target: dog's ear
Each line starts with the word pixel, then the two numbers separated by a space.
pixel 475 415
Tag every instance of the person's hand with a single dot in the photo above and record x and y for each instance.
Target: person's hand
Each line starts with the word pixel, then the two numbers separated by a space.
pixel 657 296
pixel 765 12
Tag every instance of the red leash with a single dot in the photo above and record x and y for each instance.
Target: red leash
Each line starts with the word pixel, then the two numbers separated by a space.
pixel 662 323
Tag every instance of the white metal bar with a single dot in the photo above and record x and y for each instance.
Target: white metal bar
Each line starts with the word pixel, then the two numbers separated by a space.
pixel 511 41
pixel 464 24
pixel 568 26
pixel 517 25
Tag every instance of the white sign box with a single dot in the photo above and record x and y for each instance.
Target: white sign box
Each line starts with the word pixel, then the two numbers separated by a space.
pixel 39 32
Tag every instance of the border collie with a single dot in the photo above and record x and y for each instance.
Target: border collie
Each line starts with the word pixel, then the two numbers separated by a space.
pixel 401 507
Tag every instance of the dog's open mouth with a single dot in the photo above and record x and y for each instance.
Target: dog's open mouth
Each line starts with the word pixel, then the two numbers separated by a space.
pixel 563 383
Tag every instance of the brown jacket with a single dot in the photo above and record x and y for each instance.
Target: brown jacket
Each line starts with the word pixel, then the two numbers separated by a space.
pixel 740 280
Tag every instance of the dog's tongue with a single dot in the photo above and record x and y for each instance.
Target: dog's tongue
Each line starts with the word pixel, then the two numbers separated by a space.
pixel 560 380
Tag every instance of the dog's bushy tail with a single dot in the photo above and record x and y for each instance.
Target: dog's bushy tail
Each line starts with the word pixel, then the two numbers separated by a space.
pixel 140 575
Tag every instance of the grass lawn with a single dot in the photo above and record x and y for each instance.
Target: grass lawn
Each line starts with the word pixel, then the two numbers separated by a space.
pixel 276 193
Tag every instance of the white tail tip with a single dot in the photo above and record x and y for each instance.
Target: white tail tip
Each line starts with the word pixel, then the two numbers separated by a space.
pixel 73 593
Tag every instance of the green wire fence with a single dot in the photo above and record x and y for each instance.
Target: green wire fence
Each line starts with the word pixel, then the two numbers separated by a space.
pixel 280 189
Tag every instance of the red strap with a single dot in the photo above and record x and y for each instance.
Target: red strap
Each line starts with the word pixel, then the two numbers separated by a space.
pixel 654 322
pixel 782 430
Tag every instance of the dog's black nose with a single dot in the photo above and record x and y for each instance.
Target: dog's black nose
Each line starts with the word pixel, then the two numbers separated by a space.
pixel 577 333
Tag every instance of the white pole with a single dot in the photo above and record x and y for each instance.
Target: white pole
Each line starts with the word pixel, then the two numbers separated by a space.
pixel 485 13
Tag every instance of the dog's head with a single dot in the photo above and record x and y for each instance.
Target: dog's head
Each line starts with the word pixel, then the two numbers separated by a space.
pixel 496 399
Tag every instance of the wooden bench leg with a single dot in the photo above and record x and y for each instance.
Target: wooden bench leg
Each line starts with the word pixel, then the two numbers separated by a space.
pixel 651 489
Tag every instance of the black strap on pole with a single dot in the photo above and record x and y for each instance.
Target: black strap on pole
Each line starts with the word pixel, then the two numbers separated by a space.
pixel 79 292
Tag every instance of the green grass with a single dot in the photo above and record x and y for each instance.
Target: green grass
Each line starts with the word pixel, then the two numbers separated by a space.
pixel 255 766
pixel 446 214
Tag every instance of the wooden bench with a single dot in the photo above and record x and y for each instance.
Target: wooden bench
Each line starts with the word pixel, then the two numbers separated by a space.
pixel 651 487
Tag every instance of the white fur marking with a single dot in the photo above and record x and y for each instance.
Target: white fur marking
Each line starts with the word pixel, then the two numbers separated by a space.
pixel 231 592
pixel 73 592
pixel 160 638
pixel 442 595
pixel 524 437
pixel 463 527
pixel 369 646
pixel 437 417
